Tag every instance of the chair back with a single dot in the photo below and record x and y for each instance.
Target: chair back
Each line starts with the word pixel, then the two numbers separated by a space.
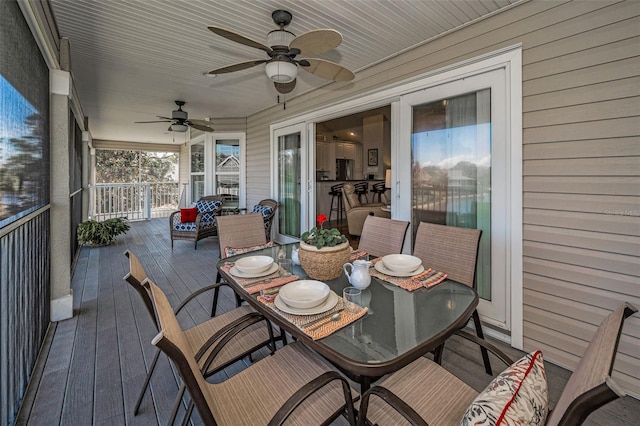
pixel 350 197
pixel 590 386
pixel 382 236
pixel 241 230
pixel 135 278
pixel 449 249
pixel 268 218
pixel 172 341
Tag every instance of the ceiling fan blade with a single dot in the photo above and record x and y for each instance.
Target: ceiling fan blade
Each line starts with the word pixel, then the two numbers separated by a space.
pixel 329 70
pixel 315 42
pixel 156 121
pixel 203 125
pixel 237 67
pixel 164 118
pixel 230 35
pixel 285 88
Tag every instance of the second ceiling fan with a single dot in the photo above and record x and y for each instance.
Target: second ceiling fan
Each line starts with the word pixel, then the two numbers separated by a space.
pixel 283 47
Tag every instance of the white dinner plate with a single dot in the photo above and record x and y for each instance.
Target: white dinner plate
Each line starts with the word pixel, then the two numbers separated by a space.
pixel 236 272
pixel 329 303
pixel 382 269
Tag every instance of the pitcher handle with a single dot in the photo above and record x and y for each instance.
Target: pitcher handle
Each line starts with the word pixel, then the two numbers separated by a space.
pixel 344 268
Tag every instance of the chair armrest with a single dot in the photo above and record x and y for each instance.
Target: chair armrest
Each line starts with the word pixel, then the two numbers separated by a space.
pixel 172 215
pixel 196 294
pixel 488 346
pixel 236 326
pixel 394 402
pixel 306 391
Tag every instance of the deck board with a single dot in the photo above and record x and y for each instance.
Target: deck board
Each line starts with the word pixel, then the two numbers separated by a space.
pixel 97 360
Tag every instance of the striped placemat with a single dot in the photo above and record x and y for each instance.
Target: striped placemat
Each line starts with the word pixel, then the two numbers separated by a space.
pixel 428 278
pixel 321 328
pixel 254 285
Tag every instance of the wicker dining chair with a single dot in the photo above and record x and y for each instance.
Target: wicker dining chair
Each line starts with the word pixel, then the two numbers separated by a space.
pixel 455 251
pixel 225 338
pixel 244 231
pixel 293 385
pixel 382 236
pixel 425 393
pixel 208 208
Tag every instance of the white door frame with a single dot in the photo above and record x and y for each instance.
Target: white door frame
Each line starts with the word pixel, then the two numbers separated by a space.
pixel 305 173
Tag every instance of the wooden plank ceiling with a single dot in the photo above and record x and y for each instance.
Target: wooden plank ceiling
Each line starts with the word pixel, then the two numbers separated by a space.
pixel 132 59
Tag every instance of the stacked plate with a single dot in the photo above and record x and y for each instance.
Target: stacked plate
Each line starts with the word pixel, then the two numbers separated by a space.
pixel 305 297
pixel 400 265
pixel 254 266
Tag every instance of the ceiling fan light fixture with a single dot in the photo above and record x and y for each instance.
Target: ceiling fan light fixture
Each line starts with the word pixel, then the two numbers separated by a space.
pixel 177 127
pixel 281 71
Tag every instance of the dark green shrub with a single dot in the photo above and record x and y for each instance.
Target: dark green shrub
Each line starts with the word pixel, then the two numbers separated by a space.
pixel 93 233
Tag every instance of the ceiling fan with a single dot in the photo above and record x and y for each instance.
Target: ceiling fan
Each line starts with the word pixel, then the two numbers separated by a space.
pixel 180 121
pixel 283 46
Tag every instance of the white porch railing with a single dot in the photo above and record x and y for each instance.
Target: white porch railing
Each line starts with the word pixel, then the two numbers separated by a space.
pixel 135 201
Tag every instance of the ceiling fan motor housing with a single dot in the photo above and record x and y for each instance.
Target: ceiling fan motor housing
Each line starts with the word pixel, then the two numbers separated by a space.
pixel 179 114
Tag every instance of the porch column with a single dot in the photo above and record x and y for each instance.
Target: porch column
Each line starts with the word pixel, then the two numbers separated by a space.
pixel 61 293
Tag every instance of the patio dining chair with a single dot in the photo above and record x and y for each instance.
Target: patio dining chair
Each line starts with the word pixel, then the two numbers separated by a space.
pixel 425 393
pixel 194 224
pixel 293 385
pixel 220 341
pixel 238 233
pixel 455 251
pixel 382 236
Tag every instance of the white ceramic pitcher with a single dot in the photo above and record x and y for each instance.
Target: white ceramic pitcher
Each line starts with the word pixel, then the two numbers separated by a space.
pixel 358 273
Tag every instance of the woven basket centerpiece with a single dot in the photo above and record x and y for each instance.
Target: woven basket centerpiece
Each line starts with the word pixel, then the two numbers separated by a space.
pixel 325 263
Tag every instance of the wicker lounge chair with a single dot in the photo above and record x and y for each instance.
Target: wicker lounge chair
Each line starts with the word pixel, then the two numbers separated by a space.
pixel 267 208
pixel 204 225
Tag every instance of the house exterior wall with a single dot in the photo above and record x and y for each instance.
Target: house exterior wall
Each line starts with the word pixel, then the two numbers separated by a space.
pixel 581 161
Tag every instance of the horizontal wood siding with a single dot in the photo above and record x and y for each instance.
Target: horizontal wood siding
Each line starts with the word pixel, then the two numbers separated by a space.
pixel 581 160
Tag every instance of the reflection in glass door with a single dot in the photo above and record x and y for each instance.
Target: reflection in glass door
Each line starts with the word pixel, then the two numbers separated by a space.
pixel 451 167
pixel 289 178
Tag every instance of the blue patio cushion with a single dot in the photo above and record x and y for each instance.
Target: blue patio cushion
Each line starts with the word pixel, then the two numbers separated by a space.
pixel 264 210
pixel 208 206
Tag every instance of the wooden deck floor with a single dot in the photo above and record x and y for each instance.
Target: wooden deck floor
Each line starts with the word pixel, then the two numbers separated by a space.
pixel 92 365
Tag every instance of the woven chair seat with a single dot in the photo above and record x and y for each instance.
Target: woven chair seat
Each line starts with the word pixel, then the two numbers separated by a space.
pixel 438 396
pixel 253 396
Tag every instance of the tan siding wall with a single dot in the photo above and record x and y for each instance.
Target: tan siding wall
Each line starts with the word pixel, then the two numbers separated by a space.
pixel 581 165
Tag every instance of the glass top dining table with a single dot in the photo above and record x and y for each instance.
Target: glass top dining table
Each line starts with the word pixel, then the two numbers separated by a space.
pixel 399 326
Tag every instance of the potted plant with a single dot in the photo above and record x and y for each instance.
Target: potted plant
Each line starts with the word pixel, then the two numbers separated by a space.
pixel 94 233
pixel 323 251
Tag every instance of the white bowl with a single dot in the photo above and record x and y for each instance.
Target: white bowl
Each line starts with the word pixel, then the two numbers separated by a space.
pixel 254 264
pixel 402 263
pixel 304 294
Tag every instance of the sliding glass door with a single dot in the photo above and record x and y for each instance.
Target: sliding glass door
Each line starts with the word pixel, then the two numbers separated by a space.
pixel 457 169
pixel 290 152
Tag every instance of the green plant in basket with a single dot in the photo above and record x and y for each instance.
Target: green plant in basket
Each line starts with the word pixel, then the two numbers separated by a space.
pixel 320 237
